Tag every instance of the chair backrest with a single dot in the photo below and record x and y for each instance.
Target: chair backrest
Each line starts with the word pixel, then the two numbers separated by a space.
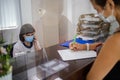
pixel 11 48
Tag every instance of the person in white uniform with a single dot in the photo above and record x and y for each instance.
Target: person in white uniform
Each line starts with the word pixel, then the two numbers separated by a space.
pixel 28 42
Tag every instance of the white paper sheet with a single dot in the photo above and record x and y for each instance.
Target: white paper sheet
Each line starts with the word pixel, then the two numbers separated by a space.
pixel 68 54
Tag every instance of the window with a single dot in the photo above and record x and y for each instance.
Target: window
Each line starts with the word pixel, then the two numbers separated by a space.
pixel 9 14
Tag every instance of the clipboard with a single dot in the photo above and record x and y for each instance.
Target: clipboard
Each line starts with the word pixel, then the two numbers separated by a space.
pixel 68 54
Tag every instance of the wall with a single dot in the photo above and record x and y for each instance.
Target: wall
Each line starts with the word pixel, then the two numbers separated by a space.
pixel 37 20
pixel 72 9
pixel 26 12
pixel 60 21
pixel 65 20
pixel 50 22
pixel 47 25
pixel 11 35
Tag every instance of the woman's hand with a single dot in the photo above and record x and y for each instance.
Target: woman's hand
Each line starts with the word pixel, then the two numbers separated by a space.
pixel 77 46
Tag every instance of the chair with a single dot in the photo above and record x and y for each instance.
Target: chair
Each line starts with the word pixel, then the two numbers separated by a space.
pixel 10 47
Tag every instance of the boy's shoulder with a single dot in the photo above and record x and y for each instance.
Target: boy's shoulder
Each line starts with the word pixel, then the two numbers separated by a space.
pixel 18 43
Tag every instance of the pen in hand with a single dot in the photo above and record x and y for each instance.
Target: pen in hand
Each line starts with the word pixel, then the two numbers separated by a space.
pixel 73 45
pixel 74 39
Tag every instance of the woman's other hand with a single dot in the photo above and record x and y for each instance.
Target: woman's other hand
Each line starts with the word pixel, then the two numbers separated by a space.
pixel 95 45
pixel 36 44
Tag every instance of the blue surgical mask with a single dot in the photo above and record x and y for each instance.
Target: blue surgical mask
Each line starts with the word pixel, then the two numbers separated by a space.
pixel 110 18
pixel 29 38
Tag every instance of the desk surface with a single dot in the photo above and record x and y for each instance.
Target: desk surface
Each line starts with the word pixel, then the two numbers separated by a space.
pixel 24 66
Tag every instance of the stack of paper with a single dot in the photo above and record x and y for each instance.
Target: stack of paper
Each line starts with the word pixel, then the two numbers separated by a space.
pixel 68 54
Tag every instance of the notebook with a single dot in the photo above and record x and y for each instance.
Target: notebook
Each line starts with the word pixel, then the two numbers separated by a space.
pixel 68 54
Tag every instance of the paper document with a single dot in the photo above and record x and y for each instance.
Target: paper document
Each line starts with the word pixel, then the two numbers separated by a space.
pixel 68 54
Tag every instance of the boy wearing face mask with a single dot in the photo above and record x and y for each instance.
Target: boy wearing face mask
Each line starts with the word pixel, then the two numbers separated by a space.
pixel 28 41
